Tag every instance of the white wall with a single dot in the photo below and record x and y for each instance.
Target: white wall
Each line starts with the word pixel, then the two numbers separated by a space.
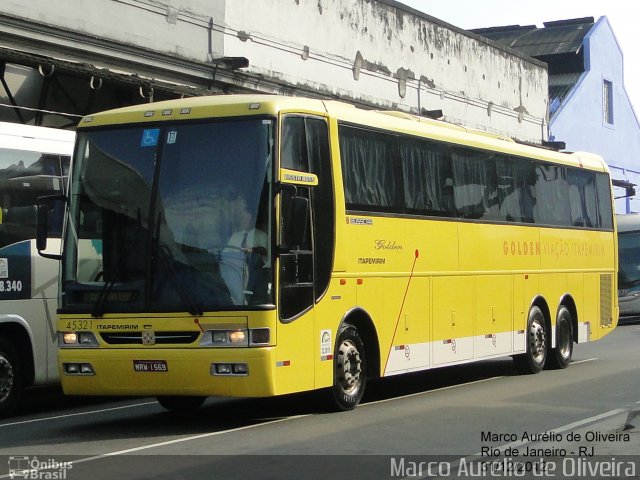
pixel 371 52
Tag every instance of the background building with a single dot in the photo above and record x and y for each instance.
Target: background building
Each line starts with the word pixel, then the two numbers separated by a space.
pixel 75 57
pixel 588 105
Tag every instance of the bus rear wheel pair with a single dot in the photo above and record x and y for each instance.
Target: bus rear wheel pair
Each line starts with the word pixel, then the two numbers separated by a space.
pixel 538 353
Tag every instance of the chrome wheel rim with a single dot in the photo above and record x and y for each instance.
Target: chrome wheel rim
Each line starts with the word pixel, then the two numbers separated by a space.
pixel 349 368
pixel 6 378
pixel 537 342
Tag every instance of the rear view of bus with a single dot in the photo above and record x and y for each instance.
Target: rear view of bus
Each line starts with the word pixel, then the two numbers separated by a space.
pixel 34 162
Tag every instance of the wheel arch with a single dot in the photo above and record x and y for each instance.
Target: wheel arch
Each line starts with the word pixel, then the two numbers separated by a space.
pixel 362 321
pixel 19 335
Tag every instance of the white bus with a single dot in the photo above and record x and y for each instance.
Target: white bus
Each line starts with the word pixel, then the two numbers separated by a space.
pixel 34 161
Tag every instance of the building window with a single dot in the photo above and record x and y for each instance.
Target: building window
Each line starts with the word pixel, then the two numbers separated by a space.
pixel 607 102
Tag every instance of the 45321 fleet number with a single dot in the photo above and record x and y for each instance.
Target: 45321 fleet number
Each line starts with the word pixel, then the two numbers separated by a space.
pixel 78 325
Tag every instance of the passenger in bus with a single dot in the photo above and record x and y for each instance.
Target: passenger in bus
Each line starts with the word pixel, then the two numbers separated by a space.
pixel 244 258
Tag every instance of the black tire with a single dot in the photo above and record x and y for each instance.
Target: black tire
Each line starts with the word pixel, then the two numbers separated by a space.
pixel 349 369
pixel 535 357
pixel 180 404
pixel 561 355
pixel 11 380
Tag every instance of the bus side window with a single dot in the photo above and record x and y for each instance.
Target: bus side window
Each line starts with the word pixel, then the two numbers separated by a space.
pixel 294 144
pixel 516 189
pixel 603 193
pixel 582 197
pixel 427 177
pixel 475 187
pixel 370 170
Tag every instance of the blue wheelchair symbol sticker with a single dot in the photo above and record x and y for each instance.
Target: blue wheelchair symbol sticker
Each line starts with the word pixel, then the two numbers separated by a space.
pixel 150 137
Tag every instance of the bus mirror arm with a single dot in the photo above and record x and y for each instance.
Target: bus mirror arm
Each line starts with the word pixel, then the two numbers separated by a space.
pixel 42 228
pixel 287 187
pixel 629 188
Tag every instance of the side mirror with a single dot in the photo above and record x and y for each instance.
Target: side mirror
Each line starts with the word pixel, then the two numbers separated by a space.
pixel 43 227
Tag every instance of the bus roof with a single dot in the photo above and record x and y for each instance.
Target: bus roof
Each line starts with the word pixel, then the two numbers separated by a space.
pixel 628 222
pixel 261 104
pixel 16 136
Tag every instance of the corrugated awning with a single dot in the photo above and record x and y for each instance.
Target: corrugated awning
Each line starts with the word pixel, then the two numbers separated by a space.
pixel 564 36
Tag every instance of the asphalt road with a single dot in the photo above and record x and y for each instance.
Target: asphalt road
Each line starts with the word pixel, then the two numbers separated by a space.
pixel 441 415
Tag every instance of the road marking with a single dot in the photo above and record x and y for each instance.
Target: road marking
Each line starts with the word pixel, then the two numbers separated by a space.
pixel 169 442
pixel 221 432
pixel 295 417
pixel 75 414
pixel 585 360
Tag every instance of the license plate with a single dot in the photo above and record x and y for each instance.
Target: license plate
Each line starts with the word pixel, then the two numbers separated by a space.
pixel 150 366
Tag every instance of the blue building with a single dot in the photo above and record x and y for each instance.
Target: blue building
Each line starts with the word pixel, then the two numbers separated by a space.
pixel 589 108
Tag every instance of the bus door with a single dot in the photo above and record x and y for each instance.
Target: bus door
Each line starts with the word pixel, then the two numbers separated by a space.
pixel 307 219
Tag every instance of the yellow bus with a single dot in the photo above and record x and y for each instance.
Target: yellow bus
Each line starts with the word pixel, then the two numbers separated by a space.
pixel 253 246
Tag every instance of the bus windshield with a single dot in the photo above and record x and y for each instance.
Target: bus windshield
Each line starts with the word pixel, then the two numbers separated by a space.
pixel 629 261
pixel 24 176
pixel 172 218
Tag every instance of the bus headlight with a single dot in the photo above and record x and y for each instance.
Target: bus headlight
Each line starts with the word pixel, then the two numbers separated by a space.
pixel 77 339
pixel 225 338
pixel 254 337
pixel 238 338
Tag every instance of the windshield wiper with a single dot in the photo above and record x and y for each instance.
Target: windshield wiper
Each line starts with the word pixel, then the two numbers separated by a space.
pixel 98 308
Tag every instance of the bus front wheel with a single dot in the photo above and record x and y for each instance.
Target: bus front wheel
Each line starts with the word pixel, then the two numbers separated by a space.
pixel 180 404
pixel 350 369
pixel 533 360
pixel 11 384
pixel 561 355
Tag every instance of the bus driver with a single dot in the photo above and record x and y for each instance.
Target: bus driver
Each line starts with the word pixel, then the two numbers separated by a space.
pixel 244 257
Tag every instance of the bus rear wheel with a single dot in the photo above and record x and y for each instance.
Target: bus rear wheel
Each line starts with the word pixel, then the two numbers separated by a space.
pixel 350 369
pixel 533 360
pixel 11 384
pixel 180 404
pixel 561 355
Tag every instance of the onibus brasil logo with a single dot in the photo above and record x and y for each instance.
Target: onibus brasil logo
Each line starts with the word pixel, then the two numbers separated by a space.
pixel 37 469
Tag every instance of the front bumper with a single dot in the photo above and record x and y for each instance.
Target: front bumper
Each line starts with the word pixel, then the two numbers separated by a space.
pixel 188 372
